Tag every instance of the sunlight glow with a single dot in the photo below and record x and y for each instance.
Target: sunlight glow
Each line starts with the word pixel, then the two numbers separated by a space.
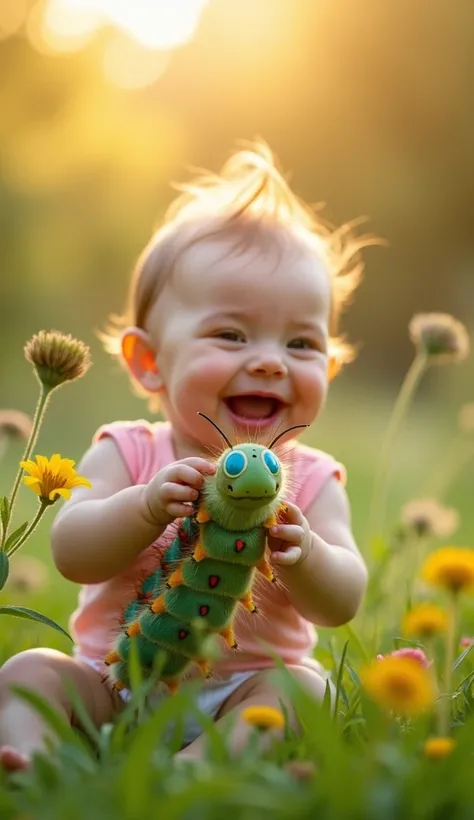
pixel 155 24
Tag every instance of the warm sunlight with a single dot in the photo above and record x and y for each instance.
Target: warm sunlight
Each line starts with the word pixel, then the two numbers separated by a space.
pixel 160 24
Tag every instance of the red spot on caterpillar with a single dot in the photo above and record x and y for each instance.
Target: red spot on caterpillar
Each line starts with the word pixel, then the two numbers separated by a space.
pixel 203 609
pixel 182 634
pixel 239 545
pixel 164 566
pixel 213 580
pixel 182 535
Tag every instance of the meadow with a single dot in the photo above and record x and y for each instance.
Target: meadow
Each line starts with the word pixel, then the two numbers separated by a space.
pixel 398 737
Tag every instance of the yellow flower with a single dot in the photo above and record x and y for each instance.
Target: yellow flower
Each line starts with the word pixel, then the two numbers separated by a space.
pixel 425 620
pixel 450 567
pixel 399 683
pixel 439 747
pixel 50 478
pixel 263 717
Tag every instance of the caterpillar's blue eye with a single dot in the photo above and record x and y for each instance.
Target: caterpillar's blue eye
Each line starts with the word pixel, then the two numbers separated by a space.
pixel 235 463
pixel 271 462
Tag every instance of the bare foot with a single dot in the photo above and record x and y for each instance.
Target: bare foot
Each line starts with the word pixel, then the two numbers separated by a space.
pixel 11 760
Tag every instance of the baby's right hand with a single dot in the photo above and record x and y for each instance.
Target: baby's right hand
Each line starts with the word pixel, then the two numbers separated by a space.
pixel 171 492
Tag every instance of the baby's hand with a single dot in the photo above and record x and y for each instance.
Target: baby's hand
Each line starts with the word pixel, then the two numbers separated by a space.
pixel 290 542
pixel 171 492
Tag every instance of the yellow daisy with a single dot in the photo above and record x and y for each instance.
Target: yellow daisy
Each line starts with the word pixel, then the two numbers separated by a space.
pixel 53 477
pixel 438 747
pixel 451 568
pixel 425 620
pixel 263 717
pixel 400 684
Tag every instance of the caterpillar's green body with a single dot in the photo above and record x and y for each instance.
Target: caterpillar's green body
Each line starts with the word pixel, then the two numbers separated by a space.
pixel 214 559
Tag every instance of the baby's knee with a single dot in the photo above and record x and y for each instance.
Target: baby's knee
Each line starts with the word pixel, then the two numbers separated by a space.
pixel 310 680
pixel 29 668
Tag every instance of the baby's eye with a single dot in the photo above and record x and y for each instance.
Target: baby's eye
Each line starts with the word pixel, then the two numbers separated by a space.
pixel 304 344
pixel 231 335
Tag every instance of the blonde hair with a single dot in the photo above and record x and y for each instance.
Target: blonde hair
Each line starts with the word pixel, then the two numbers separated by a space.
pixel 252 202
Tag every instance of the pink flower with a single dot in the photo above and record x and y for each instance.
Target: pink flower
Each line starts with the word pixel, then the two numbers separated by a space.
pixel 409 652
pixel 466 641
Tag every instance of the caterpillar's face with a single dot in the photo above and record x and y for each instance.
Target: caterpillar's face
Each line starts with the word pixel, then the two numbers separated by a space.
pixel 249 476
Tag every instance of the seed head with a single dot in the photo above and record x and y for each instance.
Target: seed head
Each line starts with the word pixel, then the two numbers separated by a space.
pixel 15 424
pixel 466 418
pixel 57 358
pixel 441 337
pixel 426 518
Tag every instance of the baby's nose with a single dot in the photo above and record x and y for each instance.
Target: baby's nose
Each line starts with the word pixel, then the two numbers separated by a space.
pixel 268 364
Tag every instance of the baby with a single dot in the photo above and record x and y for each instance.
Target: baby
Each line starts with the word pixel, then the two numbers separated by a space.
pixel 233 312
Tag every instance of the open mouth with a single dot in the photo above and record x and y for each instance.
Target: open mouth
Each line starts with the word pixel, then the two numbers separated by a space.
pixel 254 408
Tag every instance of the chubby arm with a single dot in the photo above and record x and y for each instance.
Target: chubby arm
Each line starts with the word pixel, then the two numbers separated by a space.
pixel 318 560
pixel 98 533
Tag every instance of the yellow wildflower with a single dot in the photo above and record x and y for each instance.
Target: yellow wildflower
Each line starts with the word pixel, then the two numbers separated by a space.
pixel 51 478
pixel 399 683
pixel 438 747
pixel 425 620
pixel 263 717
pixel 451 568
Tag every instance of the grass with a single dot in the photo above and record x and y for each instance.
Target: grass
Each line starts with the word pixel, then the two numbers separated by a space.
pixel 370 761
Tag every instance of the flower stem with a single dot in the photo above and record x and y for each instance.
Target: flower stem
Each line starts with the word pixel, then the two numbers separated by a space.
pixel 38 418
pixel 445 704
pixel 43 506
pixel 379 493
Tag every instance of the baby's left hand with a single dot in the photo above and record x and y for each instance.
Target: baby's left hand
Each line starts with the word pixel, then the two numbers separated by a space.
pixel 290 542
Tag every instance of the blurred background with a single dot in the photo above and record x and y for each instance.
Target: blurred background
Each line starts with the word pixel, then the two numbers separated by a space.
pixel 368 106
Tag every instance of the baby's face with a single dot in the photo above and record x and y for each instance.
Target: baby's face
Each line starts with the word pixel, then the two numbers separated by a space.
pixel 243 338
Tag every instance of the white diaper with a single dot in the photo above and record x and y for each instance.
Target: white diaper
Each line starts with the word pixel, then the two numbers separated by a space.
pixel 209 698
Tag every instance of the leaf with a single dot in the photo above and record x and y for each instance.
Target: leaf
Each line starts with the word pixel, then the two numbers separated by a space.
pixel 61 728
pixel 4 512
pixel 461 657
pixel 32 615
pixel 339 679
pixel 4 568
pixel 15 536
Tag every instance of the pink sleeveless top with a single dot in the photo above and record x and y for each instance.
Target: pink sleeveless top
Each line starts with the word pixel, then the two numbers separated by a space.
pixel 146 449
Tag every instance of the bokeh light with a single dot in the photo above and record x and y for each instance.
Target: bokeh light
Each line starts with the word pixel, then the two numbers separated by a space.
pixel 159 24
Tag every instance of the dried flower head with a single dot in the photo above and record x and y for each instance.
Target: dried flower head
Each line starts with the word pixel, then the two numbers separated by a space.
pixel 441 337
pixel 301 769
pixel 451 568
pixel 402 685
pixel 426 517
pixel 57 358
pixel 466 418
pixel 27 574
pixel 438 747
pixel 15 424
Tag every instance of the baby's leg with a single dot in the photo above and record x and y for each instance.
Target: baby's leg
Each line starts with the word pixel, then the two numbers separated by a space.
pixel 22 730
pixel 259 691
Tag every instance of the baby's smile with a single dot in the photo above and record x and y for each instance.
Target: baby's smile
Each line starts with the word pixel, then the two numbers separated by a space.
pixel 254 408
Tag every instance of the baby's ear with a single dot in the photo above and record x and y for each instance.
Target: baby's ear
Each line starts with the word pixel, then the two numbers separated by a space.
pixel 140 357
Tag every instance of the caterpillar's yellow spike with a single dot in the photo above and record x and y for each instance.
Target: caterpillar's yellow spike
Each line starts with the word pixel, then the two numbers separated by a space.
pixel 118 686
pixel 199 552
pixel 176 578
pixel 173 685
pixel 133 629
pixel 112 657
pixel 264 567
pixel 248 603
pixel 204 667
pixel 158 605
pixel 270 522
pixel 202 516
pixel 228 634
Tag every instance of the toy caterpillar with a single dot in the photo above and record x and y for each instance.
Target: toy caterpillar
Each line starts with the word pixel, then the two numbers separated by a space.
pixel 215 556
